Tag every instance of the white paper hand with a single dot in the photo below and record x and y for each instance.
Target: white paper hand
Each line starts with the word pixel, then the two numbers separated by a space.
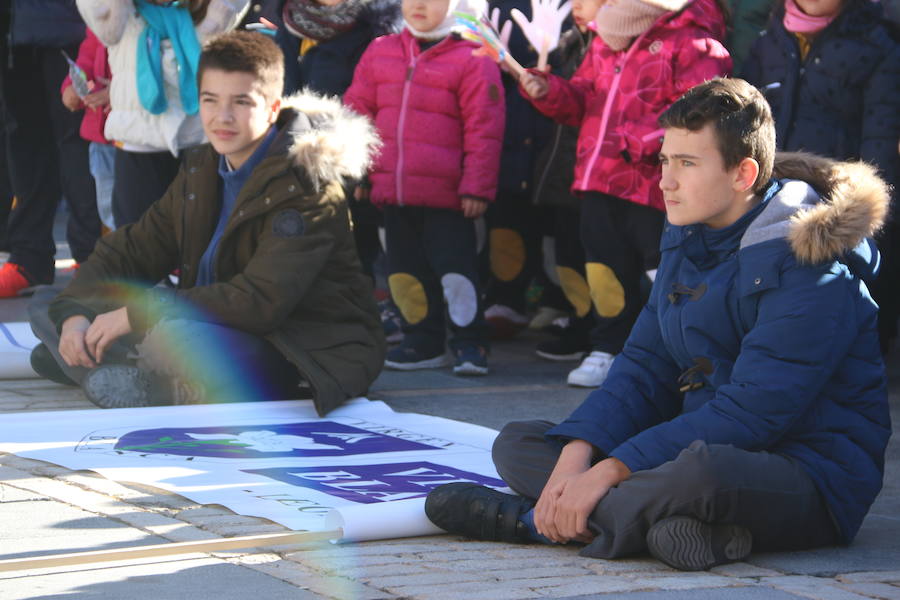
pixel 504 31
pixel 543 30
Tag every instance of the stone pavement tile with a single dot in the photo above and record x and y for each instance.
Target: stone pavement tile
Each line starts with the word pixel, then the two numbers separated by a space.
pixel 595 584
pixel 643 566
pixel 475 590
pixel 876 548
pixel 193 578
pixel 882 591
pixel 12 494
pixel 817 588
pixel 734 593
pixel 742 569
pixel 870 577
pixel 339 588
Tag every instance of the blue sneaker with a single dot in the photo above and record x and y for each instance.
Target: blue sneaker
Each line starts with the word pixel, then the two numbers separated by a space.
pixel 470 360
pixel 409 358
pixel 391 321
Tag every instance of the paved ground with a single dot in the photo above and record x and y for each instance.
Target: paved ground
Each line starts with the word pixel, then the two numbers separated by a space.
pixel 46 509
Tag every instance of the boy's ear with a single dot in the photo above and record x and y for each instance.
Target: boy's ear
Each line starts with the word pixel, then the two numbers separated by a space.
pixel 275 108
pixel 745 174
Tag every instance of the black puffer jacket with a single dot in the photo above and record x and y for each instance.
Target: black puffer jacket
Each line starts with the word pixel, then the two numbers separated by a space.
pixel 843 101
pixel 327 68
pixel 555 168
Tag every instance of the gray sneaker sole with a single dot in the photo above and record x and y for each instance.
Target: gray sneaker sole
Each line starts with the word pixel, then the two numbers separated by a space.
pixel 687 544
pixel 429 363
pixel 118 386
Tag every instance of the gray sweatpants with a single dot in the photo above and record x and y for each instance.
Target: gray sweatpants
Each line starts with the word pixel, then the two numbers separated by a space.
pixel 769 494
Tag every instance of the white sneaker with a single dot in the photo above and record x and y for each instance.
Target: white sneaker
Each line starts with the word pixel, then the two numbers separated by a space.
pixel 592 371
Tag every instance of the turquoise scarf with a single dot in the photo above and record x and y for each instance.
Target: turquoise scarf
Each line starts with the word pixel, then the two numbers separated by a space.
pixel 173 23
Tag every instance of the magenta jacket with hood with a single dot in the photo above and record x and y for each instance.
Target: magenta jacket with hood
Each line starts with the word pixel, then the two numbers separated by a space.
pixel 440 115
pixel 616 98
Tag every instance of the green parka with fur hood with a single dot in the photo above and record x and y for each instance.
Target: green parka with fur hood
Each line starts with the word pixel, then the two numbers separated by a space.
pixel 286 267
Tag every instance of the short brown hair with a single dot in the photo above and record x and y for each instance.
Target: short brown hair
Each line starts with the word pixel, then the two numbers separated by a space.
pixel 245 52
pixel 741 118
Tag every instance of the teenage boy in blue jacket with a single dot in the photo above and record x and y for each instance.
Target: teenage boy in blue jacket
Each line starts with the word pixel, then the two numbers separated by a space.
pixel 748 408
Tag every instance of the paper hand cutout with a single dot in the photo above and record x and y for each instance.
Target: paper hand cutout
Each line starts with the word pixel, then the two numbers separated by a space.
pixel 543 30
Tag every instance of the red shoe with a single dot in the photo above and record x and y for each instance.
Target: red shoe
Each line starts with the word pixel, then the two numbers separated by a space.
pixel 12 280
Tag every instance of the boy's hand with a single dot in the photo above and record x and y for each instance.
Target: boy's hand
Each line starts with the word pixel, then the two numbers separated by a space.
pixel 71 342
pixel 472 208
pixel 534 84
pixel 574 460
pixel 361 193
pixel 105 330
pixel 580 495
pixel 71 101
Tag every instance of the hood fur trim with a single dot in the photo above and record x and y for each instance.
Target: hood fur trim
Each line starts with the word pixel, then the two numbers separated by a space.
pixel 854 204
pixel 332 143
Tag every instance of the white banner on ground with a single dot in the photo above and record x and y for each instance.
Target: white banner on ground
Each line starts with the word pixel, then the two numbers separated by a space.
pixel 16 342
pixel 275 460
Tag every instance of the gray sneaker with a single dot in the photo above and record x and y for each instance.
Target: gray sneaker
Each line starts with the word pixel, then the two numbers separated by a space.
pixel 125 386
pixel 689 544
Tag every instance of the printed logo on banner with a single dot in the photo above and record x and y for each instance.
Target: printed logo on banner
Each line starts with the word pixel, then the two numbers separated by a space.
pixel 307 439
pixel 368 484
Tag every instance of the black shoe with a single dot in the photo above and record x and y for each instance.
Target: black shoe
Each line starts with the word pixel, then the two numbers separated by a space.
pixel 45 365
pixel 689 544
pixel 568 347
pixel 478 512
pixel 125 386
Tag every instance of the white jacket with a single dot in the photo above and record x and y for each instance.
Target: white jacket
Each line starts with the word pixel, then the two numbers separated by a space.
pixel 118 25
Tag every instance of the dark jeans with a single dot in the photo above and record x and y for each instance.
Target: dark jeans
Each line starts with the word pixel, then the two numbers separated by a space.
pixel 47 160
pixel 514 249
pixel 432 256
pixel 231 364
pixel 769 494
pixel 141 179
pixel 621 243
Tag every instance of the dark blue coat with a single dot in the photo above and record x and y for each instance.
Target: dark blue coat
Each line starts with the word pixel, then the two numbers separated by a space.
pixel 327 68
pixel 779 339
pixel 45 23
pixel 527 130
pixel 843 101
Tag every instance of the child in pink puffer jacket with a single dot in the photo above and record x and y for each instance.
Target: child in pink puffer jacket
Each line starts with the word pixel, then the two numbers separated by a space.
pixel 440 112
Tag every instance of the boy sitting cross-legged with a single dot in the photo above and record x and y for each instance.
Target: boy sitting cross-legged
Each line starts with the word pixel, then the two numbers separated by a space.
pixel 271 296
pixel 748 408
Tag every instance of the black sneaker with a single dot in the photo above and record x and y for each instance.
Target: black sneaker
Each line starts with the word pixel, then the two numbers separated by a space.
pixel 478 512
pixel 565 348
pixel 45 365
pixel 409 358
pixel 689 544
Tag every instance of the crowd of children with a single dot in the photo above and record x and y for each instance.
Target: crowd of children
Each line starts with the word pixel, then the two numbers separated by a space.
pixel 476 162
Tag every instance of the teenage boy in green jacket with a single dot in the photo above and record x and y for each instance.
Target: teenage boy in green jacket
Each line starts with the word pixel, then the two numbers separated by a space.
pixel 271 298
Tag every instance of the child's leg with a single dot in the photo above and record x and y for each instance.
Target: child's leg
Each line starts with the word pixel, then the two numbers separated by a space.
pixel 451 250
pixel 621 244
pixel 414 287
pixel 141 179
pixel 102 162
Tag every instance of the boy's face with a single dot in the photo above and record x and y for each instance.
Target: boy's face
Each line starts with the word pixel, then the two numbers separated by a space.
pixel 696 186
pixel 584 11
pixel 235 113
pixel 424 15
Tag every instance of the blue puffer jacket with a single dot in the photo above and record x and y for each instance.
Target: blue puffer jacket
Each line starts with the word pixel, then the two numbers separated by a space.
pixel 843 101
pixel 46 23
pixel 768 328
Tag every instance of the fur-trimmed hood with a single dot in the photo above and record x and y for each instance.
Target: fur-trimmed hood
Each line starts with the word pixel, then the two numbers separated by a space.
pixel 824 208
pixel 330 142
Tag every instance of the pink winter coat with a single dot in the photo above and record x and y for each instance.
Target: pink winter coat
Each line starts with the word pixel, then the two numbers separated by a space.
pixel 616 98
pixel 440 115
pixel 92 59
